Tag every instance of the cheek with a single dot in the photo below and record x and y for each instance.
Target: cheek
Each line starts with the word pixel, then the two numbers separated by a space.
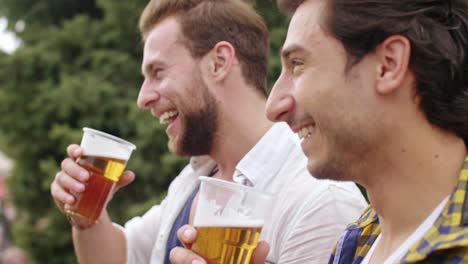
pixel 165 86
pixel 312 82
pixel 309 93
pixel 176 88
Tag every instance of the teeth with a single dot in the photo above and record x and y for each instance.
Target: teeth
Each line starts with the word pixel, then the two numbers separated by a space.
pixel 305 132
pixel 166 116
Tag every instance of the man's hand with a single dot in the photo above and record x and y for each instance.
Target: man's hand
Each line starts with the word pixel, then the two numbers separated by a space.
pixel 72 179
pixel 187 234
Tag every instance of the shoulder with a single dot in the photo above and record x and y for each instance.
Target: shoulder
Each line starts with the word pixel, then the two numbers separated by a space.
pixel 341 201
pixel 306 203
pixel 298 186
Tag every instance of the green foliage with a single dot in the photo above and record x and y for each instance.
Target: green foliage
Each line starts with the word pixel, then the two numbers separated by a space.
pixel 277 27
pixel 74 69
pixel 79 65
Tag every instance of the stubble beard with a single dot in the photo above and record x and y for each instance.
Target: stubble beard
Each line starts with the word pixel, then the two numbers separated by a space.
pixel 348 154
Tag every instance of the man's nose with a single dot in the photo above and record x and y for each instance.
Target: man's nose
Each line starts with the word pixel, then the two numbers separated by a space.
pixel 280 105
pixel 148 96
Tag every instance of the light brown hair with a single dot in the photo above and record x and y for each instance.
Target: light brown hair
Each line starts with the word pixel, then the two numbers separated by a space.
pixel 204 23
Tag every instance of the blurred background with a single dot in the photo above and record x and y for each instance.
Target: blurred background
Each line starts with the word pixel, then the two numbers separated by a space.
pixel 66 64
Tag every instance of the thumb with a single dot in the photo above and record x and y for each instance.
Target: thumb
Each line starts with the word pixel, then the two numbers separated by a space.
pixel 187 235
pixel 260 253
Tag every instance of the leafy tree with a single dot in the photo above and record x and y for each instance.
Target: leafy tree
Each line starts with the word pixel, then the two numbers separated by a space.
pixel 76 68
pixel 277 27
pixel 79 65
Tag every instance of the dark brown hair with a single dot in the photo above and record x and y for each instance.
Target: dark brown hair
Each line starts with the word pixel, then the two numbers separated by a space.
pixel 438 33
pixel 204 23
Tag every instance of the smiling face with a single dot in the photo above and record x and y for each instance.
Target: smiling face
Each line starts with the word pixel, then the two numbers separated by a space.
pixel 330 108
pixel 174 91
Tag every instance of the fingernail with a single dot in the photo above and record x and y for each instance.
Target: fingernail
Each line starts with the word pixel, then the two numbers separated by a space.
pixel 70 199
pixel 79 187
pixel 196 261
pixel 84 175
pixel 188 234
pixel 77 152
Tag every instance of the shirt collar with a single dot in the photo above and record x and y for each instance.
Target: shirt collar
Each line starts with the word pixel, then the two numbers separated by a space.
pixel 266 158
pixel 449 230
pixel 202 165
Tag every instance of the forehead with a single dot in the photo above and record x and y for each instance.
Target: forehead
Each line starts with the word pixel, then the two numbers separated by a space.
pixel 164 40
pixel 305 26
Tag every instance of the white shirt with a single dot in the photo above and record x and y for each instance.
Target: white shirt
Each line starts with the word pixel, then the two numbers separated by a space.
pixel 266 158
pixel 307 218
pixel 419 233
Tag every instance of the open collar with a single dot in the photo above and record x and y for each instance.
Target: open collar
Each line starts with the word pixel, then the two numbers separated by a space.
pixel 450 229
pixel 262 163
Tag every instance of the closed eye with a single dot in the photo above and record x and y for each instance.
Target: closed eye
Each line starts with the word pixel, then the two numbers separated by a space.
pixel 157 73
pixel 296 65
pixel 296 62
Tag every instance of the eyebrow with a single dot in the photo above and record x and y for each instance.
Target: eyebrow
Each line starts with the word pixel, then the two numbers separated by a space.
pixel 153 63
pixel 286 52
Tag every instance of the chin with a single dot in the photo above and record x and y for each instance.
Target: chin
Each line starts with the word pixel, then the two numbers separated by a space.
pixel 174 148
pixel 313 168
pixel 326 171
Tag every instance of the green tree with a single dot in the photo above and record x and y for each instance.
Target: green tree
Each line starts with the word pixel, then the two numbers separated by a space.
pixel 277 27
pixel 79 65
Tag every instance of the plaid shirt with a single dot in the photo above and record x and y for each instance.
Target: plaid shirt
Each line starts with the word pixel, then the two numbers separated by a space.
pixel 445 242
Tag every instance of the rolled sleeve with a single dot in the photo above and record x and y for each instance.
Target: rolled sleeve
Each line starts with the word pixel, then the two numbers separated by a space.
pixel 141 234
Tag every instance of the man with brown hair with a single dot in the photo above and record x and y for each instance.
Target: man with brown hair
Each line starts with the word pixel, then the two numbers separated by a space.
pixel 381 88
pixel 205 64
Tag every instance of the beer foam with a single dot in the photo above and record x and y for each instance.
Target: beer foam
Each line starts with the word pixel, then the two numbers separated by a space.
pixel 233 215
pixel 100 144
pixel 223 222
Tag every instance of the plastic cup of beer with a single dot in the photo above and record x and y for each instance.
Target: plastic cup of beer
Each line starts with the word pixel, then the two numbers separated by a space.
pixel 229 218
pixel 105 157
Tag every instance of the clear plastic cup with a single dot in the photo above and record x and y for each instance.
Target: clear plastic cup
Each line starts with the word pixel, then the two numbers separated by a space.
pixel 229 218
pixel 105 157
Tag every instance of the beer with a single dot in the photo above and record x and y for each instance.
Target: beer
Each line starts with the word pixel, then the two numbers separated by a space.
pixel 229 218
pixel 227 245
pixel 104 173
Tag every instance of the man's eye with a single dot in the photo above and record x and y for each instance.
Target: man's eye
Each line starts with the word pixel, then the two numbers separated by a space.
pixel 157 73
pixel 296 64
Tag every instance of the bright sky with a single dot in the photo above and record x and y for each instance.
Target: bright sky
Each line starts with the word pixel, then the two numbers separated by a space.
pixel 8 41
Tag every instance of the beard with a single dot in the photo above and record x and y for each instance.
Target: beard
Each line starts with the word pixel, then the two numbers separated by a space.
pixel 348 153
pixel 199 126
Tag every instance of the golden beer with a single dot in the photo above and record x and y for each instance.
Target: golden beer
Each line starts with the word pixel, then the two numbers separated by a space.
pixel 226 245
pixel 104 173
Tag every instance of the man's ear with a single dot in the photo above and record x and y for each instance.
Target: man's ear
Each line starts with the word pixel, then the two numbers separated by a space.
pixel 221 59
pixel 393 55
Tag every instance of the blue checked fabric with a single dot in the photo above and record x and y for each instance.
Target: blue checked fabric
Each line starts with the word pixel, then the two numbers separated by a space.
pixel 445 242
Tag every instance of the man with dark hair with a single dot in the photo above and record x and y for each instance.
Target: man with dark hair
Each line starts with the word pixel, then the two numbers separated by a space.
pixel 204 67
pixel 380 87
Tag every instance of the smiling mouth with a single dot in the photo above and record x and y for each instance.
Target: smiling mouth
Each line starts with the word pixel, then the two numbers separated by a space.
pixel 168 117
pixel 306 132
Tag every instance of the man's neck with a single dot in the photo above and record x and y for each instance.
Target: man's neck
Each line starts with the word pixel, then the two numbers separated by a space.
pixel 242 125
pixel 419 173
